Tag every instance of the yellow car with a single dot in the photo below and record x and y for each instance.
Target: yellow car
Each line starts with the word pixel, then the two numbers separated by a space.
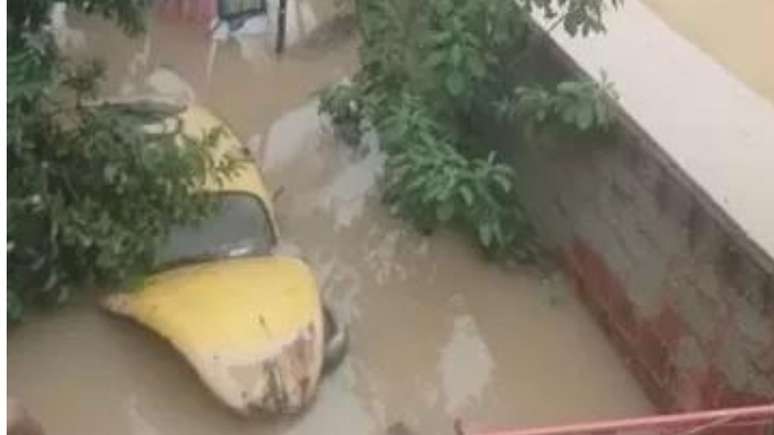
pixel 251 323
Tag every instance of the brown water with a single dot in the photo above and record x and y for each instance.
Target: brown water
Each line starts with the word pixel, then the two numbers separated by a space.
pixel 437 332
pixel 738 34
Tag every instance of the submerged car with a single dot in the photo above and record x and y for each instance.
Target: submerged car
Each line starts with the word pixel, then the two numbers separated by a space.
pixel 251 323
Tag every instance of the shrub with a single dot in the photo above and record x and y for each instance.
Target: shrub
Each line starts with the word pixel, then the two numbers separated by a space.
pixel 431 184
pixel 91 190
pixel 430 70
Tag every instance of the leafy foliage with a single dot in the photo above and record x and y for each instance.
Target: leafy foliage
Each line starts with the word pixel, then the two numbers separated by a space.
pixel 574 15
pixel 582 104
pixel 431 184
pixel 429 70
pixel 32 15
pixel 91 189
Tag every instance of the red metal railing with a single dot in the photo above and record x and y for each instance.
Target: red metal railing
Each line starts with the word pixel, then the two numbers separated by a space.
pixel 754 420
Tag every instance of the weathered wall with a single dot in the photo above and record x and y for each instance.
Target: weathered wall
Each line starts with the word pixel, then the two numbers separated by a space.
pixel 688 299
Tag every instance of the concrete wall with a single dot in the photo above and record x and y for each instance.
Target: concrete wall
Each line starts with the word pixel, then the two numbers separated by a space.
pixel 686 296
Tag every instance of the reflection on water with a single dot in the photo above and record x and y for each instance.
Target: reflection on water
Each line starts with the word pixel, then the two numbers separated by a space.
pixel 436 332
pixel 346 194
pixel 466 365
pixel 288 138
pixel 380 260
pixel 138 424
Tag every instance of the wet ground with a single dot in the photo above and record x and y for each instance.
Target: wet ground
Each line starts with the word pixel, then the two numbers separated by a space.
pixel 438 333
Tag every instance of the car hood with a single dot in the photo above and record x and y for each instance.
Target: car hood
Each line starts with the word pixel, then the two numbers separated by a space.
pixel 251 327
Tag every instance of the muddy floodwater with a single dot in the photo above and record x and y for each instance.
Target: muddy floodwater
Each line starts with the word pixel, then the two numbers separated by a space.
pixel 437 332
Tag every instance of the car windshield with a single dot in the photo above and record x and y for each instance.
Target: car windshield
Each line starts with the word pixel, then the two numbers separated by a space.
pixel 239 227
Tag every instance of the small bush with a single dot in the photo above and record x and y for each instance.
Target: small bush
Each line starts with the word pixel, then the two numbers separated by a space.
pixel 431 184
pixel 581 104
pixel 431 70
pixel 91 190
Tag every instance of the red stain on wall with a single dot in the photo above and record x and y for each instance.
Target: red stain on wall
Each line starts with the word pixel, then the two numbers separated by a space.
pixel 649 346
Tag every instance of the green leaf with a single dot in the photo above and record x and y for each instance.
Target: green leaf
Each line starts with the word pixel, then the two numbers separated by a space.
pixel 568 114
pixel 445 212
pixel 455 55
pixel 567 87
pixel 435 59
pixel 485 234
pixel 110 173
pixel 477 66
pixel 467 195
pixel 440 38
pixel 503 181
pixel 455 83
pixel 584 117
